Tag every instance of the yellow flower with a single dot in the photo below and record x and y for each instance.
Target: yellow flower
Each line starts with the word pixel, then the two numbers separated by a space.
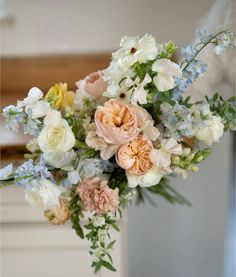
pixel 60 98
pixel 59 215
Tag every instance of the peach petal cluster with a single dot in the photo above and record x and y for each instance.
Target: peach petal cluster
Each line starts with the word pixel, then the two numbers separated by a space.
pixel 93 86
pixel 134 156
pixel 116 123
pixel 97 196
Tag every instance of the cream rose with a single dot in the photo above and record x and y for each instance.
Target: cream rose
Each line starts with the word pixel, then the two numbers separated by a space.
pixel 44 195
pixel 56 135
pixel 212 132
pixel 115 122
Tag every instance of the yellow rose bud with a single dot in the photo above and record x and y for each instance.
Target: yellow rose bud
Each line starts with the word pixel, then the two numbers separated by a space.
pixel 60 98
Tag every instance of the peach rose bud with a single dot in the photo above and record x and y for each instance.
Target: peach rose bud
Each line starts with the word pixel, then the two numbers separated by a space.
pixel 134 156
pixel 94 85
pixel 115 122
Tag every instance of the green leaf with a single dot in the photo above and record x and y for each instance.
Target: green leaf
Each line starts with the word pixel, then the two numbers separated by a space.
pixel 108 265
pixel 115 226
pixel 110 245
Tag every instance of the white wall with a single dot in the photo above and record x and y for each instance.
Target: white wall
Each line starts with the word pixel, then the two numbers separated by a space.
pixel 58 26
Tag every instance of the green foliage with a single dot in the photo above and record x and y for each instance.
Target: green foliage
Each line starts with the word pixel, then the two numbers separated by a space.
pixel 100 247
pixel 141 69
pixel 187 162
pixel 185 102
pixel 164 190
pixel 118 180
pixel 76 213
pixel 84 151
pixel 168 50
pixel 225 109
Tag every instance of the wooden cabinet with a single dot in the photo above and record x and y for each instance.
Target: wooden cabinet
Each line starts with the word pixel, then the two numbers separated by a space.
pixel 32 247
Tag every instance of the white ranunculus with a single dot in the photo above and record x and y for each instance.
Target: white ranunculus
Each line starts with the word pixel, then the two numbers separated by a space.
pixel 34 95
pixel 44 195
pixel 166 71
pixel 39 109
pixel 212 132
pixel 56 135
pixel 149 179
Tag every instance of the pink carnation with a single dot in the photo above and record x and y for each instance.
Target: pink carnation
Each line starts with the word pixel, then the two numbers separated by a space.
pixel 97 196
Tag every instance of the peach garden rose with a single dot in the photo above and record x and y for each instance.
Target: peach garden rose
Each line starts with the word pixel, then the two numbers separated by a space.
pixel 134 156
pixel 115 122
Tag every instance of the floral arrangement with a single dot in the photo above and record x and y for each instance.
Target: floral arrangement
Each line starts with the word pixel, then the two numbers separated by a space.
pixel 125 130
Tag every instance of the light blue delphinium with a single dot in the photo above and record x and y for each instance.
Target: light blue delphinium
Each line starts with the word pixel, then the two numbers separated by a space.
pixel 28 171
pixel 6 172
pixel 204 36
pixel 13 116
pixel 228 39
pixel 32 126
pixel 177 120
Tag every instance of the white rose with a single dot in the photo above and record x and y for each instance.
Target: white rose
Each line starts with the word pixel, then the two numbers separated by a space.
pixel 212 132
pixel 56 135
pixel 60 159
pixel 44 195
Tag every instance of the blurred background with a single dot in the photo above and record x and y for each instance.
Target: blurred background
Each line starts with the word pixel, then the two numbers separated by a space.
pixel 49 41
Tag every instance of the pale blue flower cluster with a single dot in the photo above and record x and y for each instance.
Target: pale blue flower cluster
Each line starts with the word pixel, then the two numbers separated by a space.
pixel 32 127
pixel 85 168
pixel 6 172
pixel 195 69
pixel 177 121
pixel 228 39
pixel 28 172
pixel 13 117
pixel 204 36
pixel 181 121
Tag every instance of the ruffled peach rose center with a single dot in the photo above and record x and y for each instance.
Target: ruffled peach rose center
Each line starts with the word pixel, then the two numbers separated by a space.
pixel 134 156
pixel 116 122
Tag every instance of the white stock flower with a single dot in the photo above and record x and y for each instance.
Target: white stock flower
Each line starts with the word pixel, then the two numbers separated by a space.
pixel 162 157
pixel 212 132
pixel 56 135
pixel 44 195
pixel 98 221
pixel 166 70
pixel 139 93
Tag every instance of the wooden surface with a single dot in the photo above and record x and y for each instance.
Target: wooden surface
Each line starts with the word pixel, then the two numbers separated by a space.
pixel 18 75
